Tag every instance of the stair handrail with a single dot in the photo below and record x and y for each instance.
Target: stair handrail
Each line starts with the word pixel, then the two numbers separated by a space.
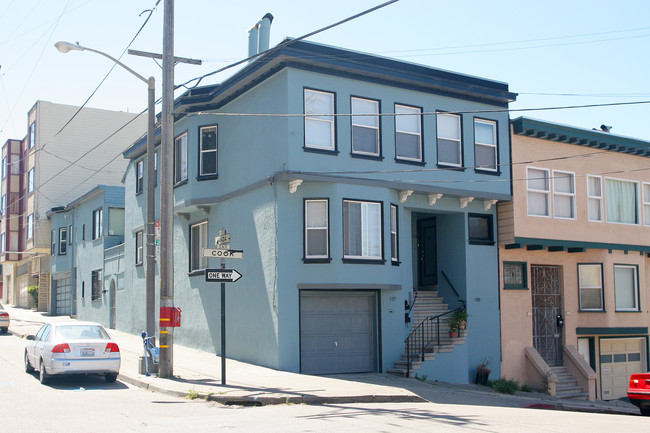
pixel 410 307
pixel 419 333
pixel 453 288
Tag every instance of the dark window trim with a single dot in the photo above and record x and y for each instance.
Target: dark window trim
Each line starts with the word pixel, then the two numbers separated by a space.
pixel 96 297
pixel 477 169
pixel 139 177
pixel 381 233
pixel 206 177
pixel 354 154
pixel 141 262
pixel 63 250
pixel 462 143
pixel 364 261
pixel 524 273
pixel 53 242
pixel 396 261
pixel 422 160
pixel 95 235
pixel 335 150
pixel 480 241
pixel 70 235
pixel 306 259
pixel 602 288
pixel 187 159
pixel 215 175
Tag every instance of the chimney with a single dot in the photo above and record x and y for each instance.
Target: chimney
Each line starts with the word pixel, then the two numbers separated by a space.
pixel 259 35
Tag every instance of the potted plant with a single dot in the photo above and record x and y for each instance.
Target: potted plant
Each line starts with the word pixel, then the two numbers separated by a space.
pixel 461 315
pixel 482 372
pixel 453 326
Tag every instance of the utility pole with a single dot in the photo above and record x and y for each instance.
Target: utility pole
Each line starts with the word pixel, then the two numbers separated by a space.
pixel 166 367
pixel 150 293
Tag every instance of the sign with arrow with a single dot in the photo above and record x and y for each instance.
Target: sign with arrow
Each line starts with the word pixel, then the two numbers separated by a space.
pixel 222 275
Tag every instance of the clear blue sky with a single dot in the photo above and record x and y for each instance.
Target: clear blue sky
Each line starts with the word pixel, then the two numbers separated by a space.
pixel 597 51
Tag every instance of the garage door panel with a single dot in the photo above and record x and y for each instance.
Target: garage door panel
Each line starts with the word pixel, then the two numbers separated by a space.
pixel 619 359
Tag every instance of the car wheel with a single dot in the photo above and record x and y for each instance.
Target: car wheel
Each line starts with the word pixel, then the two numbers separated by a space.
pixel 43 376
pixel 28 366
pixel 110 377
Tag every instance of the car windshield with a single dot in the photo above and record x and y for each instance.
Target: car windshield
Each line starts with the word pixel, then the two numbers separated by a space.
pixel 80 332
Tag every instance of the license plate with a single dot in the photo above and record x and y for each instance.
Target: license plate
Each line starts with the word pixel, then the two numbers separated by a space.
pixel 87 352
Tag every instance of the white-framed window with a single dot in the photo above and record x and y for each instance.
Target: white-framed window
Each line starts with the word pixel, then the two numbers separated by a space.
pixel 3 205
pixel 198 241
pixel 365 126
pixel 32 135
pixel 208 151
pixel 362 230
pixel 626 288
pixel 98 223
pixel 2 243
pixel 538 186
pixel 4 167
pixel 595 198
pixel 450 149
pixel 394 239
pixel 63 241
pixel 30 226
pixel 621 203
pixel 139 247
pixel 70 235
pixel 30 181
pixel 564 194
pixel 319 120
pixel 646 204
pixel 590 285
pixel 408 133
pixel 180 159
pixel 139 176
pixel 316 229
pixel 53 242
pixel 485 144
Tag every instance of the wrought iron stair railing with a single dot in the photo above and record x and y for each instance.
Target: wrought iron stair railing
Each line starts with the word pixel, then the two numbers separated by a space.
pixel 424 336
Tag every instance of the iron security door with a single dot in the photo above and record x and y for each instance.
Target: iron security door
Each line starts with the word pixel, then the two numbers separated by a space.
pixel 427 252
pixel 547 305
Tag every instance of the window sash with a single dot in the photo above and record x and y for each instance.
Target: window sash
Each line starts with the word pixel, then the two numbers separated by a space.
pixel 63 240
pixel 208 151
pixel 139 248
pixel 621 201
pixel 646 204
pixel 53 242
pixel 198 241
pixel 30 181
pixel 139 176
pixel 449 139
pixel 590 287
pixel 408 133
pixel 316 229
pixel 538 185
pixel 394 252
pixel 97 224
pixel 362 230
pixel 30 226
pixel 595 198
pixel 564 195
pixel 365 129
pixel 96 287
pixel 485 144
pixel 180 159
pixel 319 119
pixel 626 288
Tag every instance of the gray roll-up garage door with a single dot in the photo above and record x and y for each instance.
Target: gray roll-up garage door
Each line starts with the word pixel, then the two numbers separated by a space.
pixel 63 297
pixel 338 332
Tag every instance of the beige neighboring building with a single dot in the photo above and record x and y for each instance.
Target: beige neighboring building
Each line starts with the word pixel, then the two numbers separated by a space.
pixel 64 154
pixel 575 259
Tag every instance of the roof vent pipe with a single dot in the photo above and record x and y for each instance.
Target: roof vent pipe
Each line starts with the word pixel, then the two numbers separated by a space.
pixel 259 35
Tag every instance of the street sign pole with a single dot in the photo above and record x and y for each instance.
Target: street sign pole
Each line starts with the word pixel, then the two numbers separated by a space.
pixel 223 327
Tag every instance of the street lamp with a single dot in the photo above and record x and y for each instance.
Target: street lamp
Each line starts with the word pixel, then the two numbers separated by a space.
pixel 66 47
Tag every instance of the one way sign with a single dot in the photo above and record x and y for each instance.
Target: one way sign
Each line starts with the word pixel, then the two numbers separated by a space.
pixel 222 275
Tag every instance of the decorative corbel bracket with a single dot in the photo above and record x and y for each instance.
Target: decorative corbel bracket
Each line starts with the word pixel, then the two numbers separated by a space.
pixel 184 215
pixel 464 201
pixel 487 204
pixel 294 184
pixel 404 194
pixel 205 209
pixel 433 198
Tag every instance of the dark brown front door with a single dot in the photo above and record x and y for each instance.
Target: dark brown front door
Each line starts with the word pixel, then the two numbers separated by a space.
pixel 427 252
pixel 547 306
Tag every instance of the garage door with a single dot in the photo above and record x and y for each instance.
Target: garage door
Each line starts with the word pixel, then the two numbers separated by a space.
pixel 619 358
pixel 337 332
pixel 63 297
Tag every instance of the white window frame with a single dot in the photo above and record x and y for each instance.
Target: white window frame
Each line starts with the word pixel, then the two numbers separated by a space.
pixel 635 288
pixel 30 226
pixel 364 233
pixel 98 223
pixel 394 234
pixel 139 176
pixel 583 287
pixel 313 118
pixel 32 135
pixel 636 201
pixel 3 205
pixel 4 167
pixel 545 192
pixel 458 141
pixel 559 194
pixel 359 120
pixel 53 242
pixel 646 203
pixel 205 153
pixel 309 227
pixel 197 261
pixel 404 112
pixel 63 241
pixel 180 158
pixel 2 242
pixel 593 198
pixel 139 247
pixel 30 181
pixel 493 146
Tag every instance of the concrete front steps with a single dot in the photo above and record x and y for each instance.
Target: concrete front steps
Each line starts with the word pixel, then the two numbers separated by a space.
pixel 428 304
pixel 567 386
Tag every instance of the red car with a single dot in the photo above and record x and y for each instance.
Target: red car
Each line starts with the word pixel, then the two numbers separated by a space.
pixel 639 392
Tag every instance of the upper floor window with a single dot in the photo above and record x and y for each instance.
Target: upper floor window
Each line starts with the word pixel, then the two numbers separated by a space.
pixel 595 198
pixel 408 133
pixel 646 204
pixel 394 239
pixel 139 176
pixel 319 120
pixel 98 222
pixel 4 167
pixel 53 242
pixel 30 181
pixel 316 229
pixel 362 230
pixel 69 235
pixel 626 288
pixel 138 247
pixel 180 159
pixel 96 284
pixel 564 196
pixel 3 205
pixel 621 201
pixel 480 230
pixel 30 226
pixel 208 151
pixel 2 243
pixel 198 241
pixel 32 135
pixel 450 149
pixel 590 286
pixel 539 188
pixel 116 221
pixel 365 127
pixel 485 144
pixel 63 240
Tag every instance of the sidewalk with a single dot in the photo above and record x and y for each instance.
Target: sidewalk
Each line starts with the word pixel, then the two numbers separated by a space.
pixel 198 374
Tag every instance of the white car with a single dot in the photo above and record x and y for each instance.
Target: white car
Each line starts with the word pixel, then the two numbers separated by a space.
pixel 72 347
pixel 4 320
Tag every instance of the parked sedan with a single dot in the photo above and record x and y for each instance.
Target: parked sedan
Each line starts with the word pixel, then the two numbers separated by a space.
pixel 72 347
pixel 639 392
pixel 4 320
